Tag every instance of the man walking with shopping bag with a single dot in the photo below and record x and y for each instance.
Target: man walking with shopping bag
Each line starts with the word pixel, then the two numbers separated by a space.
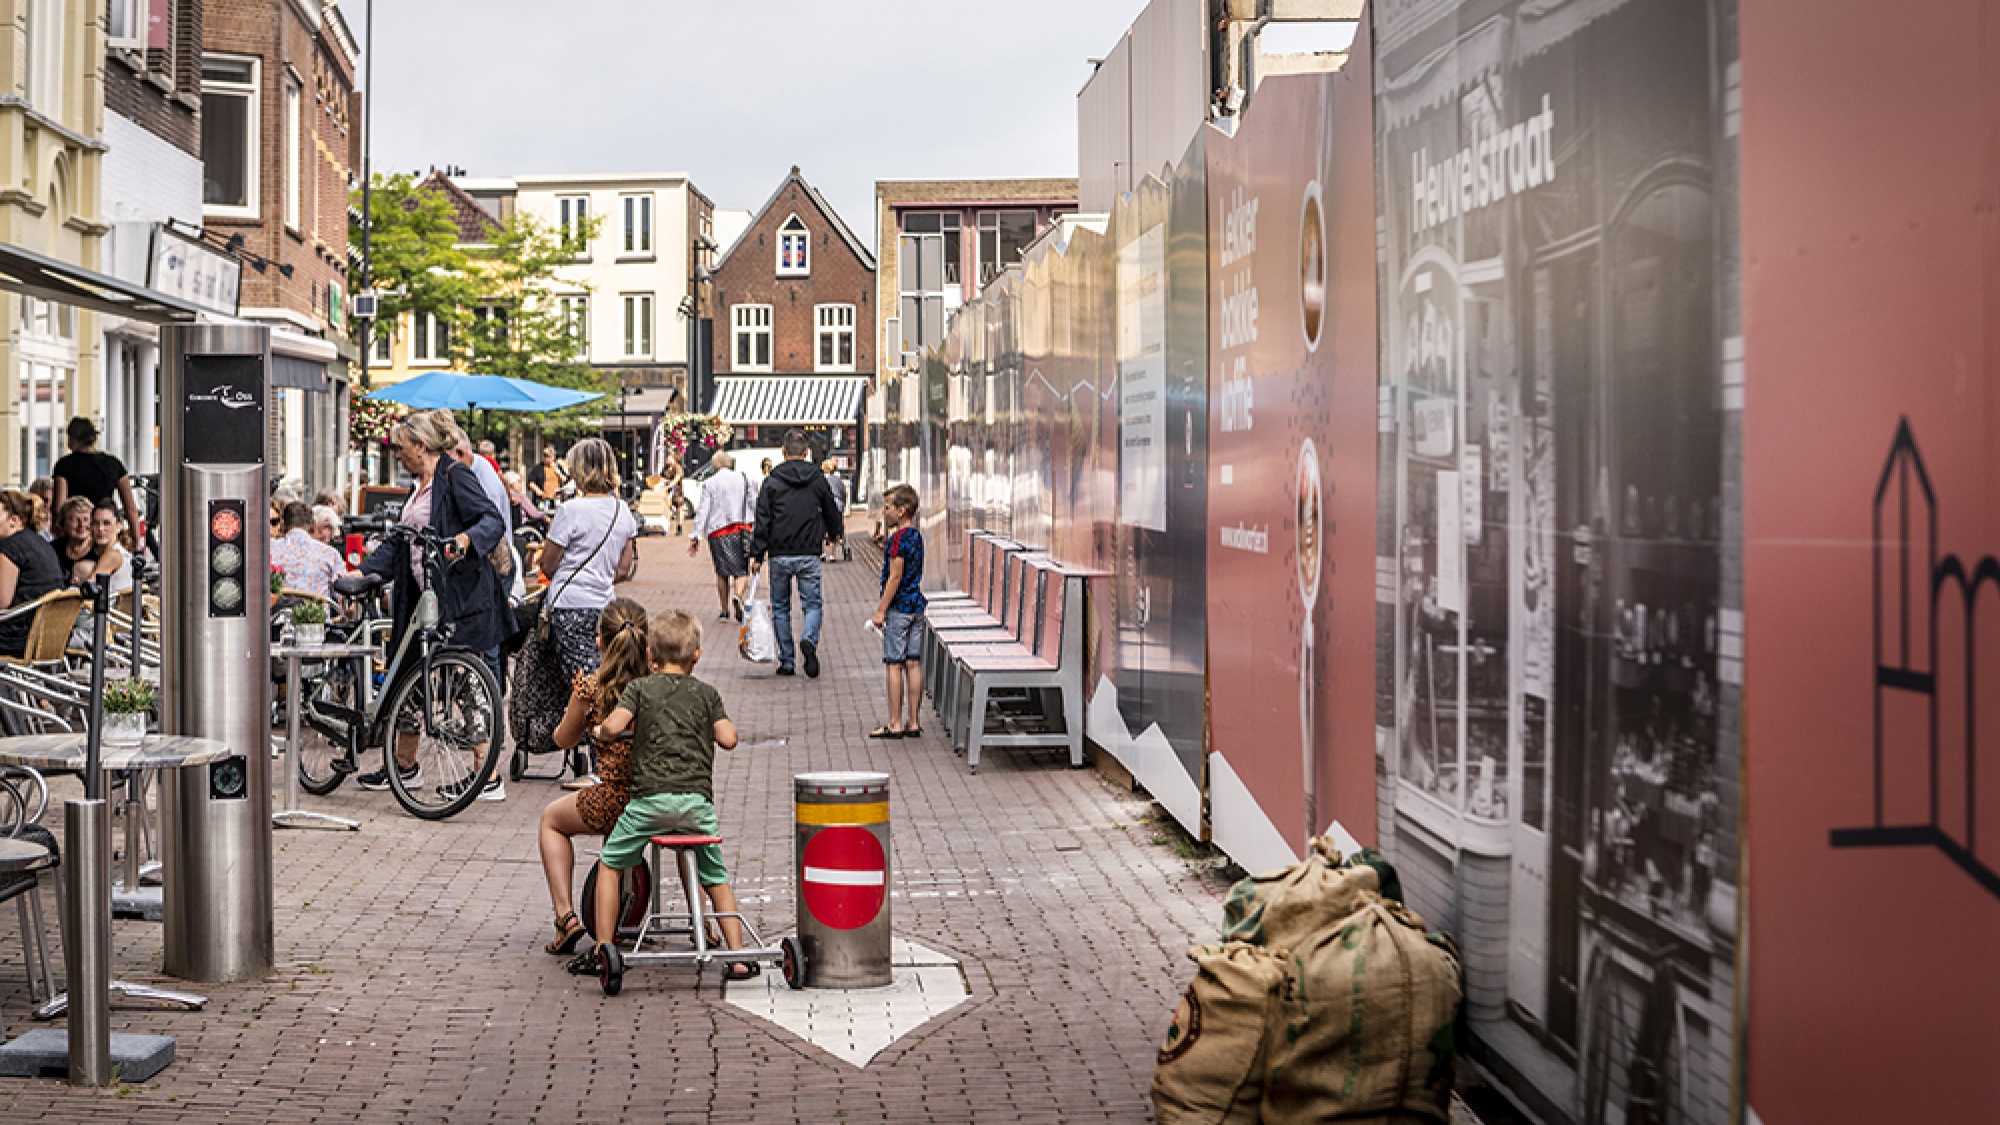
pixel 795 516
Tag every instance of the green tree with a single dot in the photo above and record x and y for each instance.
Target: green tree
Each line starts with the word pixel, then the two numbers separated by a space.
pixel 415 262
pixel 520 327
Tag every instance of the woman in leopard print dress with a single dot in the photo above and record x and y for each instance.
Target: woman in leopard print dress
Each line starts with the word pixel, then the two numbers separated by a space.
pixel 621 641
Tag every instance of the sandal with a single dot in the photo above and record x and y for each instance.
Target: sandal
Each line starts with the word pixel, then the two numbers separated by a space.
pixel 886 731
pixel 569 931
pixel 913 732
pixel 742 970
pixel 583 964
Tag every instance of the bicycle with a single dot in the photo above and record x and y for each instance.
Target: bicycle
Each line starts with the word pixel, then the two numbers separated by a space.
pixel 443 704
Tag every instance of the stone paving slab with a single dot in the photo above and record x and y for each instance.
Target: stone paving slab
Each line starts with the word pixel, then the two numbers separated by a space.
pixel 411 985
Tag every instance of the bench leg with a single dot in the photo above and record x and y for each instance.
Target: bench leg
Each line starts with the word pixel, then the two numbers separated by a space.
pixel 1072 705
pixel 960 691
pixel 976 726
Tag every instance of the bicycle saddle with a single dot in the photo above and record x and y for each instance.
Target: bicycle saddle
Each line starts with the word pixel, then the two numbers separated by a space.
pixel 353 585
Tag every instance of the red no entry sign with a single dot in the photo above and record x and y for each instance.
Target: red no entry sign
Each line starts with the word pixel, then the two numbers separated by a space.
pixel 845 877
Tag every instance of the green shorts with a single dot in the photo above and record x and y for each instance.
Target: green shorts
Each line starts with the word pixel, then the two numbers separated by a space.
pixel 664 814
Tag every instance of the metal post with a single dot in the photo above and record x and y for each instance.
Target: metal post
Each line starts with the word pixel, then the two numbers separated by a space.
pixel 367 181
pixel 87 937
pixel 87 846
pixel 215 823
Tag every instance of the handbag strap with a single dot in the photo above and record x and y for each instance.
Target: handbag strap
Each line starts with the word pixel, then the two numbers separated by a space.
pixel 549 603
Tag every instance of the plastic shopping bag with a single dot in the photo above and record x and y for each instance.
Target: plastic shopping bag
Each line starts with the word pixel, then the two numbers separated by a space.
pixel 757 641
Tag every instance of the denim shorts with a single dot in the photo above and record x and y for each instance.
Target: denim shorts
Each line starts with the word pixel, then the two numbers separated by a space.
pixel 902 637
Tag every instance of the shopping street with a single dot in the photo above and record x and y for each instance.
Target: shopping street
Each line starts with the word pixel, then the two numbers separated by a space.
pixel 411 984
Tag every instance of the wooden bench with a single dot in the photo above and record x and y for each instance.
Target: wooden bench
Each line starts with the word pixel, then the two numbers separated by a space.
pixel 1037 651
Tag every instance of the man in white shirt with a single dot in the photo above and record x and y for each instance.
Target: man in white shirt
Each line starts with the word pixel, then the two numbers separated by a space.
pixel 724 518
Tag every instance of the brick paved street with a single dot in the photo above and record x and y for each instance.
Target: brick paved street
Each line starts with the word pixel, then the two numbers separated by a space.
pixel 411 985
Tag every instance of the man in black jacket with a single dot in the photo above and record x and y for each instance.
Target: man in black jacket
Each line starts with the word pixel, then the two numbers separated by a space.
pixel 795 517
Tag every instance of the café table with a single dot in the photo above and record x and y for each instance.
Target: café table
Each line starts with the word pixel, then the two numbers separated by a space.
pixel 18 857
pixel 47 752
pixel 292 816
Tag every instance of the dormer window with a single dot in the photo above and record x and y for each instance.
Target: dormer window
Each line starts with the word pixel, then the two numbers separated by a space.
pixel 794 246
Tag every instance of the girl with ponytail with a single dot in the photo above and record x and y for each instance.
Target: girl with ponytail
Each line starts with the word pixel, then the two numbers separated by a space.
pixel 622 658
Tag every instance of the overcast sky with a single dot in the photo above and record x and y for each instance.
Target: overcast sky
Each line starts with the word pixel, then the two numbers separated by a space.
pixel 734 92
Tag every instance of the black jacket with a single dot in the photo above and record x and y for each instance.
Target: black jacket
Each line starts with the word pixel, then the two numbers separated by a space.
pixel 470 598
pixel 795 512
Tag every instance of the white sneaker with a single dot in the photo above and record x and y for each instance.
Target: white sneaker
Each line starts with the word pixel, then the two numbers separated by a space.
pixel 496 790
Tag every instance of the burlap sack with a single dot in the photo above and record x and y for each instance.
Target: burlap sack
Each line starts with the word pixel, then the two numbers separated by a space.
pixel 1287 907
pixel 1211 1066
pixel 1365 1024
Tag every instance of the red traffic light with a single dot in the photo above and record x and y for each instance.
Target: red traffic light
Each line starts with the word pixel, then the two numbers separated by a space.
pixel 225 524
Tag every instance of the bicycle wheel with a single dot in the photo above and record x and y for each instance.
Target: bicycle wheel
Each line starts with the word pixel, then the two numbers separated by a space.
pixel 442 730
pixel 322 745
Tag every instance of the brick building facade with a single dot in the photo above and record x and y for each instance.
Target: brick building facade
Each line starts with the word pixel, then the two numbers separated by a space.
pixel 279 138
pixel 794 325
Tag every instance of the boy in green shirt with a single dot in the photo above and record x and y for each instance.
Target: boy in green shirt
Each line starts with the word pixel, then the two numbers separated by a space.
pixel 677 723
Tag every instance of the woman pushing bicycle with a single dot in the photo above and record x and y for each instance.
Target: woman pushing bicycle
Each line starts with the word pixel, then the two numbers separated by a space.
pixel 449 502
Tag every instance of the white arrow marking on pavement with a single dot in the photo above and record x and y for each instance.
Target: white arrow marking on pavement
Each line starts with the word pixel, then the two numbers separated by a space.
pixel 841 878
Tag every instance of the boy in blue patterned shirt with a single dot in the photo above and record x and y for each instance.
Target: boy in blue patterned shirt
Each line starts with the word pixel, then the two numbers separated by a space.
pixel 900 613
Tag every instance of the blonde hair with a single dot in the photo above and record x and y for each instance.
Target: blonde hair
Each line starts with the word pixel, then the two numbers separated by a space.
pixel 72 506
pixel 434 430
pixel 593 466
pixel 674 638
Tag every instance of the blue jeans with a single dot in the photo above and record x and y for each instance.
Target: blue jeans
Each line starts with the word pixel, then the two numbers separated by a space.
pixel 784 570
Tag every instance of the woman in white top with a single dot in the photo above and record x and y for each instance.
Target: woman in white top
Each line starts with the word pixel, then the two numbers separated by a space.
pixel 114 559
pixel 592 544
pixel 109 561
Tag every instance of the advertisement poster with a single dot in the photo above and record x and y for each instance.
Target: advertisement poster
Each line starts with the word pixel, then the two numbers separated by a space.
pixel 1142 380
pixel 1292 463
pixel 1559 733
pixel 1871 434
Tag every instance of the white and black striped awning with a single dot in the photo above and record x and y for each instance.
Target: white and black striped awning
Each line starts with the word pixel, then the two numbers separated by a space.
pixel 789 400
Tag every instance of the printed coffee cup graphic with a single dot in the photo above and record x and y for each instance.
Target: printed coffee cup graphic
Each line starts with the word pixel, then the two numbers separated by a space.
pixel 1312 267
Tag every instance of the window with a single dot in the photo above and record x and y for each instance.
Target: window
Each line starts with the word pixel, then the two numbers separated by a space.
pixel 45 55
pixel 294 152
pixel 491 323
pixel 794 246
pixel 576 318
pixel 945 223
pixel 573 219
pixel 430 338
pixel 1002 237
pixel 753 337
pixel 638 224
pixel 229 135
pixel 638 325
pixel 127 26
pixel 834 326
pixel 384 344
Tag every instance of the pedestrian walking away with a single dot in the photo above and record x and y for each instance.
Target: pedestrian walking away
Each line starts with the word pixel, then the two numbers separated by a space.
pixel 724 517
pixel 590 548
pixel 795 516
pixel 836 543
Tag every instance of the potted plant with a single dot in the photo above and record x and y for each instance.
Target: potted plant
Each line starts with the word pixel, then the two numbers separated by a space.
pixel 126 705
pixel 309 623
